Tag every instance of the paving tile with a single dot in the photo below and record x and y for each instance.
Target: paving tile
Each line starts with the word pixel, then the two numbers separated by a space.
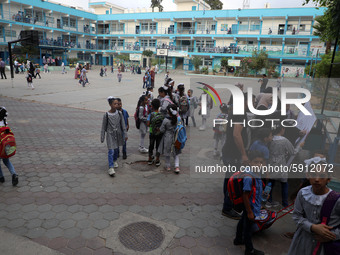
pixel 218 250
pixel 76 243
pixel 104 251
pixel 180 251
pixel 95 243
pixel 54 233
pixel 58 243
pixel 187 242
pixel 89 233
pixel 83 251
pixel 205 242
pixel 199 250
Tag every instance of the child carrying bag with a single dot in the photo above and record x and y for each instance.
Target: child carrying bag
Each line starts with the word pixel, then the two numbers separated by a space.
pixel 7 143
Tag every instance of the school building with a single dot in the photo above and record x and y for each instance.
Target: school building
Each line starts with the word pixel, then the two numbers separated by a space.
pixel 286 34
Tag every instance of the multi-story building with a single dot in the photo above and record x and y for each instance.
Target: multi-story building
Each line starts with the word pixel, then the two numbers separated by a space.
pixel 286 34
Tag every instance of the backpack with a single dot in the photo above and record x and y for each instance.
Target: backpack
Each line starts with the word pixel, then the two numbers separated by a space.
pixel 29 78
pixel 155 123
pixel 235 190
pixel 180 136
pixel 332 247
pixel 136 116
pixel 183 104
pixel 7 143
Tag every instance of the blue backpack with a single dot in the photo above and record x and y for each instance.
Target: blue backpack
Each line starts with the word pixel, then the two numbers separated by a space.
pixel 180 135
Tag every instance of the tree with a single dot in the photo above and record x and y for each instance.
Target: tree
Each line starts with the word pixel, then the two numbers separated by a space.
pixel 196 61
pixel 215 4
pixel 157 3
pixel 323 30
pixel 259 60
pixel 322 68
pixel 224 64
pixel 123 57
pixel 147 53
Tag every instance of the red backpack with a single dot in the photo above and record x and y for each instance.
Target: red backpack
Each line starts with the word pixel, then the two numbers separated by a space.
pixel 7 143
pixel 235 190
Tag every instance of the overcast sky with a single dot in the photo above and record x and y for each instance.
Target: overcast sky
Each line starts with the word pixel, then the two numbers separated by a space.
pixel 170 6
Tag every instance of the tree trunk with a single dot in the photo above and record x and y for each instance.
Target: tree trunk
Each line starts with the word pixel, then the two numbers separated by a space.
pixel 328 47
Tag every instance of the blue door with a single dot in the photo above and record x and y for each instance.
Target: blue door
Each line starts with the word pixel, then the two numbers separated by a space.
pixel 234 29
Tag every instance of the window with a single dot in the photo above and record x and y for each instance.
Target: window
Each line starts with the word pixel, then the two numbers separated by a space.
pixel 224 27
pixel 153 26
pixel 213 27
pixel 209 44
pixel 145 26
pixel 302 27
pixel 143 43
pixel 120 42
pixel 107 12
pixel 208 62
pixel 73 23
pixel 193 8
pixel 289 27
pixel 152 43
pixel 1 31
pixel 65 21
pixel 9 33
pixel 38 16
pixel 28 13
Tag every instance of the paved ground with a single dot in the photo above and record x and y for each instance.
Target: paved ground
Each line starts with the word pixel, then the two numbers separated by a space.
pixel 66 201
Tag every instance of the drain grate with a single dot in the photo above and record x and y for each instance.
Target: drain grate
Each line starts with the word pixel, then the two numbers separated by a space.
pixel 141 236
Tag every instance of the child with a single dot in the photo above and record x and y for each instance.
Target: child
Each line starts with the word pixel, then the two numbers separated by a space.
pixel 105 70
pixel 114 126
pixel 317 223
pixel 263 138
pixel 192 106
pixel 166 99
pixel 46 68
pixel 29 79
pixel 112 69
pixel 119 76
pixel 183 102
pixel 8 164
pixel 101 72
pixel 142 107
pixel 252 204
pixel 168 128
pixel 278 83
pixel 145 78
pixel 280 149
pixel 126 120
pixel 155 120
pixel 37 72
pixel 209 107
pixel 220 130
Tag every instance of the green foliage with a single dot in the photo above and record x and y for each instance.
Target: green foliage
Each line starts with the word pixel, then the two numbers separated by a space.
pixel 245 66
pixel 123 57
pixel 157 61
pixel 204 70
pixel 224 64
pixel 322 68
pixel 157 3
pixel 196 61
pixel 276 75
pixel 147 53
pixel 30 50
pixel 259 60
pixel 215 4
pixel 216 69
pixel 72 61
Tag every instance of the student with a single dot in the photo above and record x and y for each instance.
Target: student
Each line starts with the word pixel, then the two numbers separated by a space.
pixel 220 130
pixel 105 70
pixel 264 137
pixel 29 78
pixel 264 82
pixel 193 102
pixel 183 102
pixel 6 161
pixel 126 120
pixel 209 107
pixel 252 204
pixel 112 69
pixel 114 126
pixel 83 77
pixel 145 81
pixel 280 150
pixel 317 221
pixel 168 128
pixel 101 72
pixel 166 99
pixel 37 72
pixel 142 107
pixel 155 120
pixel 119 76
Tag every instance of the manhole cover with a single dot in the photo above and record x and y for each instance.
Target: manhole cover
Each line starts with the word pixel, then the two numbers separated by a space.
pixel 141 236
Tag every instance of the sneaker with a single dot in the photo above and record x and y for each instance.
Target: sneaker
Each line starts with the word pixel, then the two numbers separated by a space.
pixel 111 172
pixel 232 214
pixel 115 164
pixel 124 156
pixel 253 252
pixel 143 150
pixel 167 168
pixel 272 204
pixel 157 163
pixel 288 210
pixel 177 170
pixel 201 128
pixel 15 179
pixel 2 179
pixel 150 161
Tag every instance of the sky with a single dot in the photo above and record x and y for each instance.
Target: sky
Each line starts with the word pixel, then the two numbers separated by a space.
pixel 170 6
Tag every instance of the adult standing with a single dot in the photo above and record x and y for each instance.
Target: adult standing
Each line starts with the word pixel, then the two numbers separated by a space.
pixel 234 152
pixel 16 65
pixel 264 82
pixel 76 71
pixel 152 74
pixel 32 68
pixel 2 68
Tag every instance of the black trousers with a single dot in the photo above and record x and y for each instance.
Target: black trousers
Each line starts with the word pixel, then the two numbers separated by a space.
pixel 244 232
pixel 2 71
pixel 154 139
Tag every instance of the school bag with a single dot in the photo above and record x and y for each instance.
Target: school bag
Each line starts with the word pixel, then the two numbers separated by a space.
pixel 183 104
pixel 235 190
pixel 156 122
pixel 29 78
pixel 7 143
pixel 180 136
pixel 136 116
pixel 332 247
pixel 264 220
